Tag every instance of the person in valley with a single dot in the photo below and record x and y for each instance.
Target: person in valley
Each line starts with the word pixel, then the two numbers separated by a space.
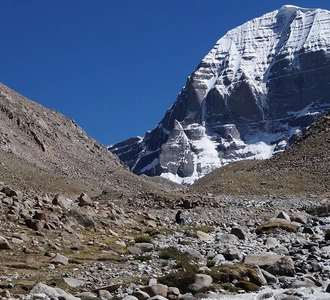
pixel 178 218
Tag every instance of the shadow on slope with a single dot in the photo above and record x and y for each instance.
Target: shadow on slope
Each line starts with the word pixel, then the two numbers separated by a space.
pixel 42 149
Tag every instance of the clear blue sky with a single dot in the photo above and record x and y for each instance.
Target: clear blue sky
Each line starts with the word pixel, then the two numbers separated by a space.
pixel 114 67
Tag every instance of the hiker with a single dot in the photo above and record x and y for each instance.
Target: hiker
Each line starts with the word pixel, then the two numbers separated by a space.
pixel 178 218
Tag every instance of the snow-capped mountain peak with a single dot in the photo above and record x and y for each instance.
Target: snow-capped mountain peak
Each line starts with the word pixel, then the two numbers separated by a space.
pixel 258 88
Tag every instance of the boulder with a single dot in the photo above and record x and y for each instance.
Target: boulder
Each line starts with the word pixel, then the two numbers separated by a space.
pixel 85 200
pixel 158 297
pixel 40 215
pixel 144 247
pixel 53 293
pixel 4 243
pixel 86 295
pixel 283 215
pixel 61 201
pixel 270 278
pixel 233 254
pixel 141 295
pixel 284 266
pixel 271 242
pixel 12 193
pixel 105 295
pixel 130 297
pixel 59 259
pixel 299 218
pixel 203 236
pixel 201 285
pixel 239 232
pixel 218 258
pixel 73 282
pixel 35 224
pixel 193 254
pixel 263 260
pixel 227 238
pixel 155 289
pixel 134 250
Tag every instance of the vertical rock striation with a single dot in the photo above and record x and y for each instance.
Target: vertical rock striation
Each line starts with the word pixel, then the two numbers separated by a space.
pixel 260 87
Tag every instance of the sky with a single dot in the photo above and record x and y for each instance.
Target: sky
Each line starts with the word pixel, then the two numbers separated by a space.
pixel 114 67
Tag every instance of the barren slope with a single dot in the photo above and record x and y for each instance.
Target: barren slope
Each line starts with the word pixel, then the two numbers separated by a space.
pixel 302 169
pixel 42 149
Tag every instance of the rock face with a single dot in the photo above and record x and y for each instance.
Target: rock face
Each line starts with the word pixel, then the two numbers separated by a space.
pixel 259 88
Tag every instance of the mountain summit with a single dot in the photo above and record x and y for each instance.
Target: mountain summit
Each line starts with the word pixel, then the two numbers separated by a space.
pixel 259 88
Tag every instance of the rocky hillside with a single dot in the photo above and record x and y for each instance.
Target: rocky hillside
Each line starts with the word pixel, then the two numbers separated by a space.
pixel 304 168
pixel 43 150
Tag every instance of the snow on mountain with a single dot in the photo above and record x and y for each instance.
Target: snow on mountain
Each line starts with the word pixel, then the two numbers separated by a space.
pixel 260 87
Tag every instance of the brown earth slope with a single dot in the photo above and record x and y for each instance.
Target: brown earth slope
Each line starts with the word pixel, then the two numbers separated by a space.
pixel 43 150
pixel 302 169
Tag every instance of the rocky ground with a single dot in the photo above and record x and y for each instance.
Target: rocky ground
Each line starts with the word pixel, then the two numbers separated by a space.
pixel 76 223
pixel 57 247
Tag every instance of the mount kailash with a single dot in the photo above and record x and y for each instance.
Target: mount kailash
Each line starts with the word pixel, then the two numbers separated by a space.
pixel 260 87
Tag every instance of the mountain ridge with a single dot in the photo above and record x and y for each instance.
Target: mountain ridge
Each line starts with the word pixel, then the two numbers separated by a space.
pixel 41 149
pixel 259 87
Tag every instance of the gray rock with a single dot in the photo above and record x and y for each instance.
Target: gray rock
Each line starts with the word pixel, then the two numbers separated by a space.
pixel 86 295
pixel 228 238
pixel 270 278
pixel 283 215
pixel 210 254
pixel 130 297
pixel 134 250
pixel 73 282
pixel 281 251
pixel 261 277
pixel 193 254
pixel 156 289
pixel 61 201
pixel 302 283
pixel 263 260
pixel 152 281
pixel 173 291
pixel 105 295
pixel 218 258
pixel 233 254
pixel 283 266
pixel 141 295
pixel 4 244
pixel 59 259
pixel 201 285
pixel 151 223
pixel 144 247
pixel 158 297
pixel 328 288
pixel 12 193
pixel 271 242
pixel 82 218
pixel 300 218
pixel 34 224
pixel 8 200
pixel 203 236
pixel 239 232
pixel 187 296
pixel 51 292
pixel 85 200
